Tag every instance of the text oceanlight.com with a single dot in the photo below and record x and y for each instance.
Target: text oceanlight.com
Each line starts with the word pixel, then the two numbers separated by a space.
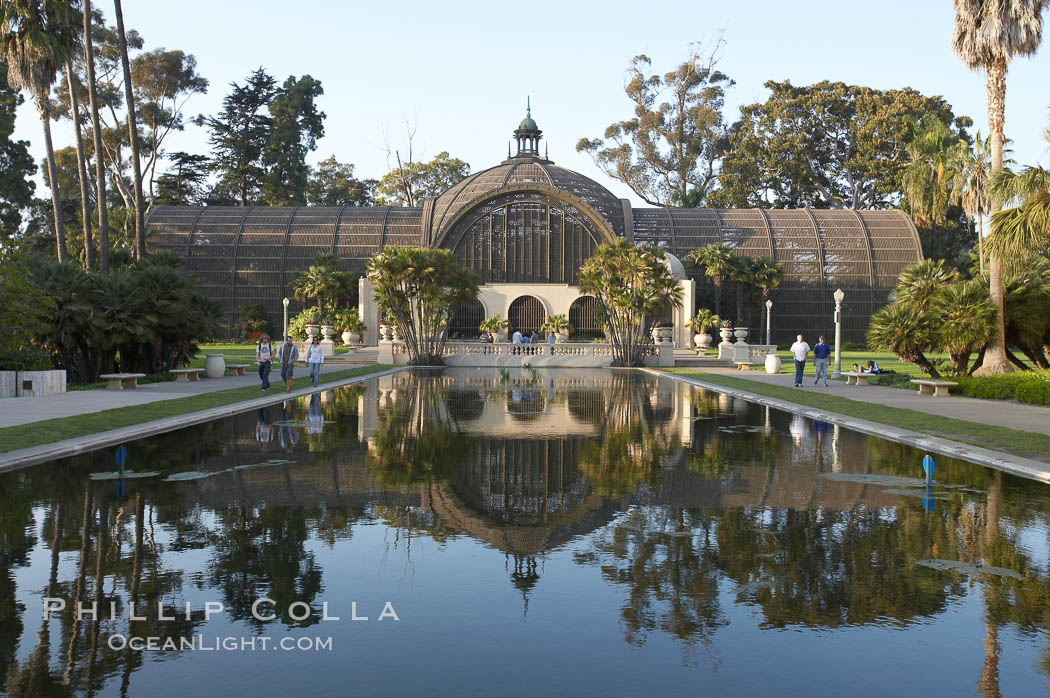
pixel 228 643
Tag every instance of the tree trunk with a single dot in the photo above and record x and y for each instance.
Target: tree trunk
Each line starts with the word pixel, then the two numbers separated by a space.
pixel 96 128
pixel 718 299
pixel 85 208
pixel 995 360
pixel 44 110
pixel 133 137
pixel 980 239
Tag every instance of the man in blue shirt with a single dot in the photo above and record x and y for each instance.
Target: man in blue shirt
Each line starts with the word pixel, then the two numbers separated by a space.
pixel 821 352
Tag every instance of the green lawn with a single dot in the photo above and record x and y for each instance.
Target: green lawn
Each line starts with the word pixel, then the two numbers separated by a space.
pixel 51 430
pixel 1025 443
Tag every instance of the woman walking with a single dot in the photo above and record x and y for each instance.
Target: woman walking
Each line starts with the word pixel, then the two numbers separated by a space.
pixel 264 357
pixel 315 359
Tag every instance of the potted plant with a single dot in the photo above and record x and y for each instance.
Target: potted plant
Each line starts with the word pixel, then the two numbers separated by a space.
pixel 350 323
pixel 663 332
pixel 725 329
pixel 559 325
pixel 704 320
pixel 496 326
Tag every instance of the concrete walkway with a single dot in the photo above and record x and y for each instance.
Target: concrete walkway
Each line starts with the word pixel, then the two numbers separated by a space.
pixel 21 410
pixel 1012 415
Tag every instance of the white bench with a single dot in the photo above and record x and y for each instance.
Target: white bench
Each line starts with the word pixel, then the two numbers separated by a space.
pixel 120 381
pixel 186 375
pixel 855 378
pixel 935 388
pixel 236 369
pixel 743 365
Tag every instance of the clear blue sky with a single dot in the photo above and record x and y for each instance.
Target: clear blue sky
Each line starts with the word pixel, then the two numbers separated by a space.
pixel 461 70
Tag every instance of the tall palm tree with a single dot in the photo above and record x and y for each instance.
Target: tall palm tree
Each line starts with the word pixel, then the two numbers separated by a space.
pixel 85 207
pixel 38 38
pixel 133 137
pixel 717 263
pixel 987 35
pixel 96 132
pixel 742 273
pixel 972 191
pixel 938 157
pixel 1025 227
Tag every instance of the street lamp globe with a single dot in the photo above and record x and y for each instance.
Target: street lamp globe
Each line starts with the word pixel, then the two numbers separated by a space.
pixel 839 295
pixel 769 305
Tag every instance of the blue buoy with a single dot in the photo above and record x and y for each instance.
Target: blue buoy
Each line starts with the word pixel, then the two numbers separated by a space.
pixel 122 458
pixel 927 467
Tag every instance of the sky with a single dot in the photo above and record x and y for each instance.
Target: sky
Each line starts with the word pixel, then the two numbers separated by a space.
pixel 460 72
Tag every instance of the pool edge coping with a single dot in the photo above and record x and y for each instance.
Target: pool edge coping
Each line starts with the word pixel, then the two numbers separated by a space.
pixel 1015 465
pixel 34 455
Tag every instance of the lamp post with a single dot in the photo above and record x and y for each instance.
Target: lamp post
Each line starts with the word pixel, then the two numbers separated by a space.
pixel 285 302
pixel 769 314
pixel 838 295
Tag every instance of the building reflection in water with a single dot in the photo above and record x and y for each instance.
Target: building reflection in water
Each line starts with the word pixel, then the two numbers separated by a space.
pixel 670 494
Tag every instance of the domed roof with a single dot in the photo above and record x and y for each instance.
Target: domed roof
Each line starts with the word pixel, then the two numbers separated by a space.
pixel 516 174
pixel 527 123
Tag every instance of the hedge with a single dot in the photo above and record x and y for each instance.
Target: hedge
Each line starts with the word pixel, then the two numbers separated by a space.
pixel 1032 387
pixel 25 360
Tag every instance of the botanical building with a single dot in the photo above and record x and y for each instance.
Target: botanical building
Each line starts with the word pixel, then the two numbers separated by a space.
pixel 525 226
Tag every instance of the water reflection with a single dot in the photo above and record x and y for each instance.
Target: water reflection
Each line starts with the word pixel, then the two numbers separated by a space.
pixel 701 514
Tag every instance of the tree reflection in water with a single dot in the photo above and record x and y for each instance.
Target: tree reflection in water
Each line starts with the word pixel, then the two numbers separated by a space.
pixel 685 502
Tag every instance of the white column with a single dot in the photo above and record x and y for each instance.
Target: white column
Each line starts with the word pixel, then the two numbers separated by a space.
pixel 366 308
pixel 684 313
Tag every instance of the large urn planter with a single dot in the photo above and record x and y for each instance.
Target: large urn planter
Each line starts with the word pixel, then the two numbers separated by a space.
pixel 214 366
pixel 561 337
pixel 312 330
pixel 772 364
pixel 702 341
pixel 662 335
pixel 725 333
pixel 346 338
pixel 740 333
pixel 386 332
pixel 499 336
pixel 328 331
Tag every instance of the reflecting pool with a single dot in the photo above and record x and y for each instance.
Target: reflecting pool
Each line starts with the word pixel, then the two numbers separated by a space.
pixel 567 533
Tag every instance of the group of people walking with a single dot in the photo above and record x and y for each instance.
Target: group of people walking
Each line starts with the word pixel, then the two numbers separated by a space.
pixel 800 352
pixel 286 355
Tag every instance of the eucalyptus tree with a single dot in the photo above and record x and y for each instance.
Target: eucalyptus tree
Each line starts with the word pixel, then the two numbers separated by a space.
pixel 629 283
pixel 717 262
pixel 38 37
pixel 987 35
pixel 421 288
pixel 937 161
pixel 85 201
pixel 668 151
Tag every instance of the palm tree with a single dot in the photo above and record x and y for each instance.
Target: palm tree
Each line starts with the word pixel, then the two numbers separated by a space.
pixel 133 137
pixel 965 321
pixel 973 192
pixel 96 132
pixel 987 34
pixel 717 262
pixel 39 35
pixel 1024 227
pixel 766 275
pixel 742 272
pixel 85 208
pixel 938 157
pixel 906 331
pixel 319 282
pixel 917 285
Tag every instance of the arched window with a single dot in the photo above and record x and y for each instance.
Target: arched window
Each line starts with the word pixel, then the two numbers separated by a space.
pixel 524 238
pixel 583 316
pixel 464 321
pixel 526 314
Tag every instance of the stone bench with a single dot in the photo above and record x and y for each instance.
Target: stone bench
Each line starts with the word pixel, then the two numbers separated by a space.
pixel 236 369
pixel 185 375
pixel 935 388
pixel 743 365
pixel 120 381
pixel 855 378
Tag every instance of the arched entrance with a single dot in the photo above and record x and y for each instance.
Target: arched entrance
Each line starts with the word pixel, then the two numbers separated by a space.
pixel 463 324
pixel 526 314
pixel 583 316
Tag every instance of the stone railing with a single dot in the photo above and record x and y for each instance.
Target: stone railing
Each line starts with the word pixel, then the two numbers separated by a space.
pixel 549 355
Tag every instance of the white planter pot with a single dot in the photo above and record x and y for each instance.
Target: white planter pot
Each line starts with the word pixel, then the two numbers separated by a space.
pixel 328 331
pixel 386 332
pixel 499 336
pixel 214 366
pixel 313 329
pixel 561 337
pixel 662 335
pixel 740 333
pixel 772 364
pixel 346 338
pixel 725 333
pixel 355 337
pixel 702 340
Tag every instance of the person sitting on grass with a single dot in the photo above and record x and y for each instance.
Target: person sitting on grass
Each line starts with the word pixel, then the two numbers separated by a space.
pixel 873 367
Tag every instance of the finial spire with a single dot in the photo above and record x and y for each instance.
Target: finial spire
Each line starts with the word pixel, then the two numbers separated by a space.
pixel 528 105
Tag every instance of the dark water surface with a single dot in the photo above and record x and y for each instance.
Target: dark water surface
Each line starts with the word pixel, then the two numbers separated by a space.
pixel 567 533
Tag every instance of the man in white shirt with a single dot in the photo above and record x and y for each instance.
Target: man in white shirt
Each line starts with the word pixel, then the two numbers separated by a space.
pixel 800 352
pixel 315 359
pixel 516 337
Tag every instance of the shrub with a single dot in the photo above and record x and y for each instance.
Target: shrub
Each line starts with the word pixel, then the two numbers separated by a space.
pixel 25 360
pixel 297 325
pixel 252 321
pixel 1032 387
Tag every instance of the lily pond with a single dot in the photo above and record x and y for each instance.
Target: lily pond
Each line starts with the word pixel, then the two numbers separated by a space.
pixel 462 532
